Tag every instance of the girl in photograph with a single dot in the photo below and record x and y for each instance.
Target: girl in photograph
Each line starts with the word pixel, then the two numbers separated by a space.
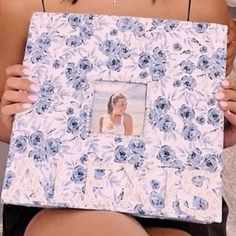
pixel 116 121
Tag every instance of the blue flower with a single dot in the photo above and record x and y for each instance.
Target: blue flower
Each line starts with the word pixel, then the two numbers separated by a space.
pixel 44 40
pixel 84 133
pixel 56 64
pixel 200 120
pixel 177 83
pixel 138 209
pixel 157 71
pixel 114 63
pixel 86 32
pixel 9 176
pixel 186 113
pixel 177 47
pixel 195 157
pixel 46 89
pixel 29 47
pixel 211 101
pixel 143 74
pixel 219 56
pixel 42 105
pixel 114 32
pixel 37 56
pixel 122 50
pixel 200 27
pixel 78 174
pixel 107 47
pixel 83 158
pixel 166 124
pixel 157 22
pixel 80 83
pixel 53 146
pixel 74 125
pixel 74 41
pixel 48 190
pixel 214 116
pixel 198 180
pixel 166 154
pixel 200 203
pixel 36 139
pixel 38 155
pixel 88 18
pixel 85 65
pixel 138 29
pixel 161 104
pixel 203 49
pixel 85 113
pixel 187 66
pixel 170 25
pixel 19 144
pixel 190 132
pixel 70 111
pixel 137 146
pixel 124 23
pixel 204 63
pixel 155 184
pixel 215 72
pixel 145 60
pixel 188 82
pixel 121 154
pixel 70 70
pixel 159 55
pixel 118 139
pixel 74 21
pixel 153 117
pixel 157 200
pixel 210 162
pixel 99 173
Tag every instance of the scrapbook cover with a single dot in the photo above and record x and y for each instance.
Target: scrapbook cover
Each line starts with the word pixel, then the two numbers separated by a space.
pixel 125 120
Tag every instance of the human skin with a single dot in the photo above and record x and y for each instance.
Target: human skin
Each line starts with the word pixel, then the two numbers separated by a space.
pixel 14 24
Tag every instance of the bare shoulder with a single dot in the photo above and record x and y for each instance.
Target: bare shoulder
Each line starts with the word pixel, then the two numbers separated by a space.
pixel 14 22
pixel 214 11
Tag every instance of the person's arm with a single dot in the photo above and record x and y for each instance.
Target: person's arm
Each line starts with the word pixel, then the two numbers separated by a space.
pixel 100 124
pixel 128 124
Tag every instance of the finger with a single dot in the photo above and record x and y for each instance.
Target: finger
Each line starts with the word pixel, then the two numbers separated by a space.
pixel 23 84
pixel 229 105
pixel 17 70
pixel 230 117
pixel 9 97
pixel 12 109
pixel 229 83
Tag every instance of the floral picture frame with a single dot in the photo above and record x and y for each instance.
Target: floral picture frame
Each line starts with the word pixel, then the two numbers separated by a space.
pixel 169 71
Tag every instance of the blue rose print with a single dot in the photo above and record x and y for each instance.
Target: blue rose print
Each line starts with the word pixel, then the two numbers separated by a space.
pixel 139 209
pixel 122 50
pixel 166 124
pixel 161 104
pixel 70 70
pixel 170 25
pixel 78 174
pixel 157 71
pixel 187 66
pixel 74 41
pixel 9 176
pixel 143 74
pixel 195 157
pixel 204 62
pixel 44 41
pixel 219 56
pixel 209 162
pixel 85 65
pixel 188 82
pixel 74 125
pixel 38 155
pixel 157 200
pixel 201 120
pixel 177 47
pixel 42 105
pixel 74 21
pixel 137 146
pixel 84 158
pixel 48 190
pixel 86 32
pixel 198 180
pixel 53 146
pixel 166 154
pixel 214 116
pixel 215 72
pixel 177 83
pixel 190 132
pixel 159 55
pixel 19 144
pixel 37 56
pixel 107 47
pixel 121 154
pixel 203 49
pixel 79 82
pixel 186 113
pixel 200 203
pixel 70 111
pixel 145 60
pixel 124 23
pixel 138 29
pixel 155 184
pixel 36 139
pixel 47 89
pixel 114 63
pixel 85 113
pixel 99 173
pixel 200 27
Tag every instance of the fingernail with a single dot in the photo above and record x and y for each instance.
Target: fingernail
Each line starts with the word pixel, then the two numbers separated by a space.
pixel 223 104
pixel 26 71
pixel 26 105
pixel 219 95
pixel 33 98
pixel 34 88
pixel 225 83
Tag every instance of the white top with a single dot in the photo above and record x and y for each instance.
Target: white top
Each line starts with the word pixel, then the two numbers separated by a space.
pixel 109 128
